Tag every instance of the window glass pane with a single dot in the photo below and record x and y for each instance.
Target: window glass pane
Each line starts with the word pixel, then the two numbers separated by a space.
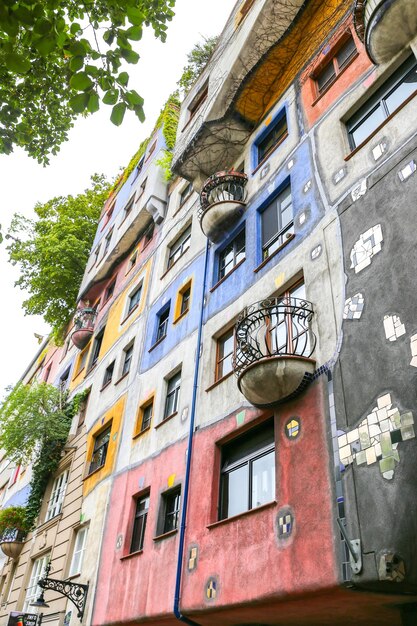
pixel 172 509
pixel 345 53
pixel 269 223
pixel 401 93
pixel 79 548
pixel 273 138
pixel 263 480
pixel 368 125
pixel 326 76
pixel 235 491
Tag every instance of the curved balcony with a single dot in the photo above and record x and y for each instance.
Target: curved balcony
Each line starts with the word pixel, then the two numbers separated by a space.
pixel 274 344
pixel 12 542
pixel 222 202
pixel 385 26
pixel 84 321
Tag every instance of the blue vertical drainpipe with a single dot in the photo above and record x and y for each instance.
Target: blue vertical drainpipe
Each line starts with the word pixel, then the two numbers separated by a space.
pixel 177 611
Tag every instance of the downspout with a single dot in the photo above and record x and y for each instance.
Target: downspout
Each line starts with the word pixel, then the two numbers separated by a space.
pixel 177 611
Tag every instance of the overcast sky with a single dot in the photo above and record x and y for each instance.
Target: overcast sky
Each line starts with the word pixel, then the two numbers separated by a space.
pixel 95 145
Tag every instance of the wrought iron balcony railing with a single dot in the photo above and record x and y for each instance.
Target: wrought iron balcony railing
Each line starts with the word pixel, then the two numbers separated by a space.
pixel 276 327
pixel 222 201
pixel 11 535
pixel 84 321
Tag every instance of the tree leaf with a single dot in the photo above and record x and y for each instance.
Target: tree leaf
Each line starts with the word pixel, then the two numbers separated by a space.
pixel 118 113
pixel 134 33
pixel 75 28
pixel 76 63
pixel 135 16
pixel 45 45
pixel 134 98
pixel 130 56
pixel 79 102
pixel 93 103
pixel 123 78
pixel 139 112
pixel 17 63
pixel 81 81
pixel 111 96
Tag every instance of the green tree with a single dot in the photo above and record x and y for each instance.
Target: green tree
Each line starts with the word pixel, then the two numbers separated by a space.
pixel 52 252
pixel 60 58
pixel 30 416
pixel 197 61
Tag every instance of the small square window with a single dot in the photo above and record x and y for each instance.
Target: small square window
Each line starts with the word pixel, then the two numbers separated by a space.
pixel 57 496
pixel 277 222
pixel 248 471
pixel 132 261
pixel 109 290
pixel 148 234
pixel 197 101
pixel 162 324
pixel 151 150
pixel 182 303
pixel 128 207
pixel 96 348
pixel 128 355
pixel 96 254
pixel 173 395
pixel 145 416
pixel 170 511
pixel 108 374
pixel 224 354
pixel 185 301
pixel 271 138
pixel 142 188
pixel 179 247
pixel 78 552
pixel 139 524
pixel 107 240
pixel 134 299
pixel 231 255
pixel 101 444
pixel 63 381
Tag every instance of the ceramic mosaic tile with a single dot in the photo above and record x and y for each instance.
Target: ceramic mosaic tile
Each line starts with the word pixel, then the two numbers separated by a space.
pixel 359 191
pixel 192 560
pixel 292 428
pixel 285 525
pixel 391 567
pixel 302 218
pixel 377 436
pixel 407 170
pixel 307 186
pixel 379 150
pixel 393 327
pixel 211 589
pixel 354 307
pixel 368 244
pixel 290 164
pixel 316 252
pixel 340 174
pixel 413 345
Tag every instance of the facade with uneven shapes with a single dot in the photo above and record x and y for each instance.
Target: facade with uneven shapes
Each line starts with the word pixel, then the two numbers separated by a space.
pixel 249 340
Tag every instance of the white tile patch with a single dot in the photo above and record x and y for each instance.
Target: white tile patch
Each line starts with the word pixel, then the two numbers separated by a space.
pixel 393 327
pixel 379 150
pixel 307 186
pixel 359 190
pixel 339 175
pixel 376 437
pixel 316 252
pixel 354 307
pixel 290 164
pixel 413 345
pixel 407 170
pixel 368 244
pixel 302 218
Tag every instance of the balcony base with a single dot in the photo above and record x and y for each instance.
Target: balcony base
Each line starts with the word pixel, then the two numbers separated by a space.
pixel 390 28
pixel 81 337
pixel 272 380
pixel 219 218
pixel 12 549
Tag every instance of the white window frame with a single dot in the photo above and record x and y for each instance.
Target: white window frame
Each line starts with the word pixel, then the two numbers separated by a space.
pixel 78 551
pixel 33 590
pixel 56 500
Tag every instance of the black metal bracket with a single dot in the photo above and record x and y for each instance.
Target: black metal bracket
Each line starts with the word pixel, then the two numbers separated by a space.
pixel 75 592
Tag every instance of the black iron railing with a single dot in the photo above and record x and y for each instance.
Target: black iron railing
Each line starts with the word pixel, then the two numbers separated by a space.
pixel 273 327
pixel 223 187
pixel 12 534
pixel 363 10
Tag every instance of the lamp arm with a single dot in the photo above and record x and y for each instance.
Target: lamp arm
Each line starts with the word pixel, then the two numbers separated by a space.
pixel 75 592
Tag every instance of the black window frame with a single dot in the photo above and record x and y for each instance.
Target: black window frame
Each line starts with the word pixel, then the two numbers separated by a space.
pixel 162 320
pixel 146 415
pixel 185 193
pixel 109 290
pixel 231 247
pixel 100 449
pixel 170 509
pixel 95 353
pixel 139 523
pixel 134 300
pixel 333 62
pixel 377 102
pixel 283 232
pixel 179 246
pixel 243 451
pixel 127 359
pixel 185 300
pixel 173 391
pixel 220 356
pixel 107 240
pixel 108 374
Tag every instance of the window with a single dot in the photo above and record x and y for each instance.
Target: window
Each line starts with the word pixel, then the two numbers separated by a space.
pixel 47 373
pixel 170 511
pixel 108 374
pixel 182 303
pixel 57 496
pixel 248 471
pixel 179 247
pixel 389 97
pixel 197 101
pixel 185 193
pixel 110 290
pixel 96 348
pixel 162 324
pixel 107 240
pixel 108 215
pixel 33 591
pixel 101 444
pixel 132 261
pixel 341 58
pixel 151 150
pixel 185 301
pixel 173 394
pixel 145 416
pixel 224 356
pixel 285 334
pixel 148 235
pixel 142 188
pixel 96 253
pixel 128 208
pixel 134 299
pixel 83 411
pixel 271 137
pixel 63 381
pixel 139 525
pixel 231 255
pixel 244 10
pixel 78 552
pixel 82 360
pixel 138 169
pixel 128 354
pixel 277 221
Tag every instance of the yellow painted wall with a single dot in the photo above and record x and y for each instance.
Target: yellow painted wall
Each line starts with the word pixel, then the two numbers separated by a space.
pixel 286 58
pixel 113 415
